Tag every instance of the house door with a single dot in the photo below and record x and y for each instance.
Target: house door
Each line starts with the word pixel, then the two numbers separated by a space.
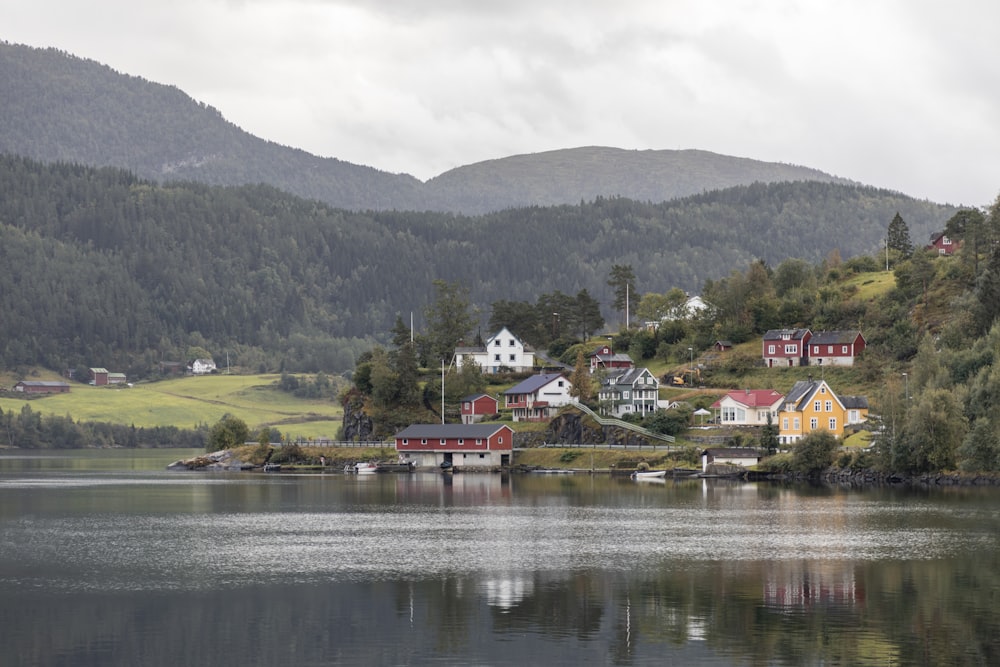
pixel 447 458
pixel 504 460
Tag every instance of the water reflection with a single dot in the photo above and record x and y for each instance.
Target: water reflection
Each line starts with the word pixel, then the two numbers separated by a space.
pixel 177 568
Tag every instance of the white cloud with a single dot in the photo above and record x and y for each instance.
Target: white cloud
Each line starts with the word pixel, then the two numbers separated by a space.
pixel 900 94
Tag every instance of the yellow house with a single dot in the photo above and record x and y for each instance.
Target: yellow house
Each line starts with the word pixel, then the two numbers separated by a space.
pixel 811 406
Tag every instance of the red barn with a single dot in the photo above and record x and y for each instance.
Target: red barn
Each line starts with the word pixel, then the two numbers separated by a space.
pixel 835 348
pixel 458 445
pixel 477 406
pixel 786 347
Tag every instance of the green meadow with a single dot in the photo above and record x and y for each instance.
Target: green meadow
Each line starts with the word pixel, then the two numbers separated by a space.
pixel 192 401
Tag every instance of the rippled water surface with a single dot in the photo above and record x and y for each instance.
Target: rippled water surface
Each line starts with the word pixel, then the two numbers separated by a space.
pixel 107 558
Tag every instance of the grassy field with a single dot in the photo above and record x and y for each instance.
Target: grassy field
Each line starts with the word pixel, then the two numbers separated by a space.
pixel 190 401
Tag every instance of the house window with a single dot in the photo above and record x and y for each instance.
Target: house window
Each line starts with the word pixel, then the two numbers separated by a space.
pixel 784 424
pixel 822 390
pixel 500 440
pixel 795 424
pixel 791 349
pixel 467 405
pixel 833 424
pixel 511 343
pixel 479 441
pixel 843 349
pixel 770 349
pixel 423 441
pixel 625 395
pixel 829 406
pixel 406 441
pixel 496 357
pixel 513 357
pixel 461 441
pixel 443 441
pixel 816 405
pixel 496 343
pixel 829 349
pixel 813 424
pixel 853 416
pixel 559 383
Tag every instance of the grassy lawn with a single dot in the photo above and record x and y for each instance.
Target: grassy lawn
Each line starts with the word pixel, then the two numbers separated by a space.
pixel 190 401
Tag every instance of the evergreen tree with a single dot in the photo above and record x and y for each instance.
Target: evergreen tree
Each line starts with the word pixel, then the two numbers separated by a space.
pixel 449 320
pixel 622 281
pixel 898 236
pixel 769 436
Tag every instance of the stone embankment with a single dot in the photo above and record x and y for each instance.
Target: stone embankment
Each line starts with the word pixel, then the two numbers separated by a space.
pixel 877 478
pixel 223 459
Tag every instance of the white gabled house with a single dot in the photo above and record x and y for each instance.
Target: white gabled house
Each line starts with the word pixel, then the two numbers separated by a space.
pixel 201 366
pixel 538 397
pixel 502 351
pixel 749 407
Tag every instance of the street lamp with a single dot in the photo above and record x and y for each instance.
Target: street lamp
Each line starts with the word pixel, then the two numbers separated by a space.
pixel 691 364
pixel 906 384
pixel 611 344
pixel 555 320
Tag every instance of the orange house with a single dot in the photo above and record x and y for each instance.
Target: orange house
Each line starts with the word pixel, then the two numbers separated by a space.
pixel 812 405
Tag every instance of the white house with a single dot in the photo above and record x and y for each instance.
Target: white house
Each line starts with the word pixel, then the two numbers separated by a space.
pixel 201 366
pixel 749 407
pixel 538 397
pixel 503 351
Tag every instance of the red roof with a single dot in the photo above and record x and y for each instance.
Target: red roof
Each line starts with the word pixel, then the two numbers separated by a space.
pixel 753 398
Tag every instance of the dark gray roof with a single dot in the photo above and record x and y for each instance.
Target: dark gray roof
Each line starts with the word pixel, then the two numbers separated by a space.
pixel 834 337
pixel 43 383
pixel 533 384
pixel 800 391
pixel 780 334
pixel 732 452
pixel 625 376
pixel 855 402
pixel 438 431
pixel 472 397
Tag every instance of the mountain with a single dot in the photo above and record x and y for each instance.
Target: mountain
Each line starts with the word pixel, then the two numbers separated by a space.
pixel 57 107
pixel 103 268
pixel 570 176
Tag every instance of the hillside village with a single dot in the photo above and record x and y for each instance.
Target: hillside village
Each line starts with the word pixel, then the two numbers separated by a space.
pixel 706 381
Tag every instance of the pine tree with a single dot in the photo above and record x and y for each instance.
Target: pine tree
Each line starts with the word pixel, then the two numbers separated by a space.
pixel 898 236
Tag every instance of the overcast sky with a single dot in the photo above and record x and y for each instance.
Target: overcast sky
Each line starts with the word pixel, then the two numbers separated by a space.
pixel 901 94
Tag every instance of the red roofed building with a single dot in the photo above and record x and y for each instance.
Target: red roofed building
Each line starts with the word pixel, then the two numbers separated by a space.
pixel 749 407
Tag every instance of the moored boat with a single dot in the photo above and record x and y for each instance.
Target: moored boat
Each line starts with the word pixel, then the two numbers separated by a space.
pixel 648 474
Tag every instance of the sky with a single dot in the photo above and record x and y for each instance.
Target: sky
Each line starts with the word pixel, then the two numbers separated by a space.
pixel 897 94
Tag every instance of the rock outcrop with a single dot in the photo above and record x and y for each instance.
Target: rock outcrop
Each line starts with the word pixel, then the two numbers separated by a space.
pixel 220 460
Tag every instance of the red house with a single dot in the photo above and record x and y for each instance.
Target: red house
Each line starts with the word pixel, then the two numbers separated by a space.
pixel 477 406
pixel 458 445
pixel 604 357
pixel 835 348
pixel 786 347
pixel 942 244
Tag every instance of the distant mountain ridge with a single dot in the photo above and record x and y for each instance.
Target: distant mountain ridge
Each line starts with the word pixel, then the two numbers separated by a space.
pixel 56 107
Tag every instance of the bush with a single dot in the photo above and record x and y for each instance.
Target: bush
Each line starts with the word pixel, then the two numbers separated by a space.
pixel 814 453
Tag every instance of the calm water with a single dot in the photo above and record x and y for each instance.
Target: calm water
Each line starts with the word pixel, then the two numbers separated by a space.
pixel 107 559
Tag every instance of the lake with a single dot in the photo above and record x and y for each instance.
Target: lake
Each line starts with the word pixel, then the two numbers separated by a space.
pixel 108 559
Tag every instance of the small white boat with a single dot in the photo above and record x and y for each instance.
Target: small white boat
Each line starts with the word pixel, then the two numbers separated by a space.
pixel 365 468
pixel 648 474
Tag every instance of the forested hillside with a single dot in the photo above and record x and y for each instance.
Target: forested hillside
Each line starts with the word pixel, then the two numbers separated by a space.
pixel 56 107
pixel 104 268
